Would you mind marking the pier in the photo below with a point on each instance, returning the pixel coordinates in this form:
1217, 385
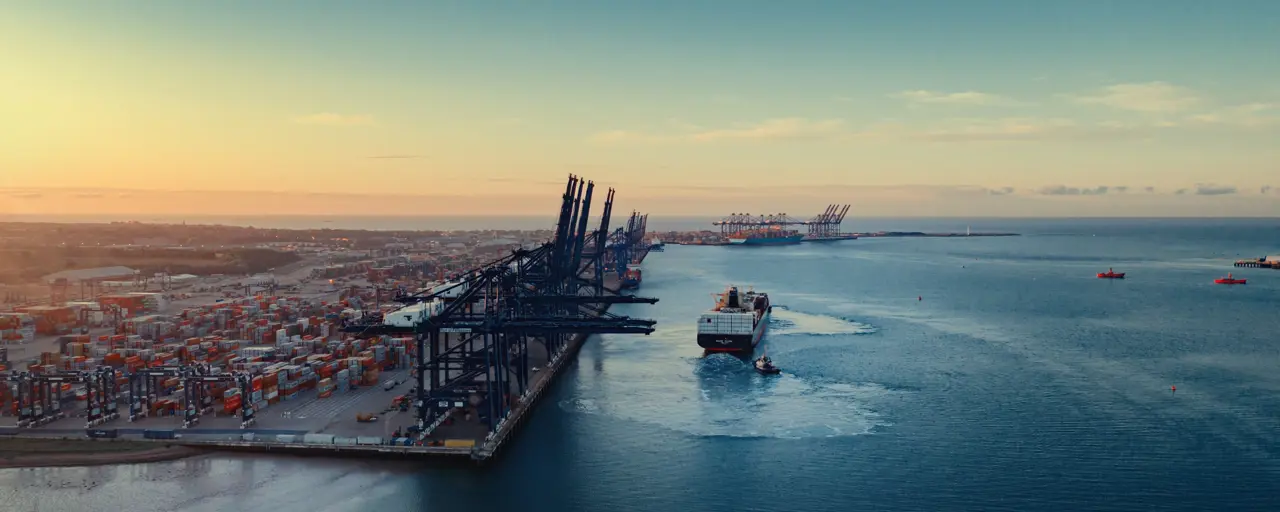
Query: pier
520, 321
1271, 262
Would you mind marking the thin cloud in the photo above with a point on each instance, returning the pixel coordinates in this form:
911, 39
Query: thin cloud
1121, 189
396, 157
26, 195
1002, 191
1149, 190
1251, 115
88, 195
975, 98
629, 137
524, 181
332, 119
1266, 189
791, 128
1008, 129
1214, 190
1151, 97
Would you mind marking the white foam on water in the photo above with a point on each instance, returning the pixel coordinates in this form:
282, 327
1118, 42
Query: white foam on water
786, 321
724, 397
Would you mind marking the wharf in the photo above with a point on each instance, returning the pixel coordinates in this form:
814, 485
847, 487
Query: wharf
543, 380
905, 234
280, 428
1259, 263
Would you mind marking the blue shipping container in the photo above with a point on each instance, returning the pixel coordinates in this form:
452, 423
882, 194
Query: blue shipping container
159, 434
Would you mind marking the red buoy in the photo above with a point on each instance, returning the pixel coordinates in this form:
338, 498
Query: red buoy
1173, 389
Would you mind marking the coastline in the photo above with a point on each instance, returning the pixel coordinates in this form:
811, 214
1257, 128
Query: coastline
879, 234
54, 452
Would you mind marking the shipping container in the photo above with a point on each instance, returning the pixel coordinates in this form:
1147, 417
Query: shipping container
159, 434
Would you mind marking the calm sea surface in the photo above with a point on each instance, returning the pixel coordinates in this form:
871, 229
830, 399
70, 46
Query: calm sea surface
1019, 381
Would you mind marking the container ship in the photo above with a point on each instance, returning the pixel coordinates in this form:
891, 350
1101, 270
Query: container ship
736, 323
766, 237
631, 278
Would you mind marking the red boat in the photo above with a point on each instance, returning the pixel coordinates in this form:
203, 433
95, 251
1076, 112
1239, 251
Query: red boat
1229, 280
1110, 274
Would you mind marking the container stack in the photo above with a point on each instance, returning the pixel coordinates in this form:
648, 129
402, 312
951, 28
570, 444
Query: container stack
128, 304
257, 397
17, 328
53, 319
343, 382
151, 301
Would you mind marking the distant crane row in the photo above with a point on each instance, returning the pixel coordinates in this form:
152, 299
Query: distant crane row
825, 224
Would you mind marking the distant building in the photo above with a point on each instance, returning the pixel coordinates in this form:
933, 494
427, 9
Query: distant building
92, 275
499, 242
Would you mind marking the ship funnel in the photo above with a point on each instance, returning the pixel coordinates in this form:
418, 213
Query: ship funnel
732, 300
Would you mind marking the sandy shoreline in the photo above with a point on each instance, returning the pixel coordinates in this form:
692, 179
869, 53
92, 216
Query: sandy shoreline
31, 453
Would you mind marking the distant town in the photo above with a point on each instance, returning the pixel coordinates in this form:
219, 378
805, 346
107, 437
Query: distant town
39, 262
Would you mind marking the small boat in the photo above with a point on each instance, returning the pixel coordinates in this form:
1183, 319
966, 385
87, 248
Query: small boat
765, 365
1229, 280
1110, 274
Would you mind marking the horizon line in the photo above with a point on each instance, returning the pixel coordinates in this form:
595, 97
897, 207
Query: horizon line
683, 216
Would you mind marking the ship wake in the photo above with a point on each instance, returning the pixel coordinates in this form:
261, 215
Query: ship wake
785, 321
726, 398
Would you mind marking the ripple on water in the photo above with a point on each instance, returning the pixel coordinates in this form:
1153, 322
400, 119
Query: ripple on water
785, 321
724, 397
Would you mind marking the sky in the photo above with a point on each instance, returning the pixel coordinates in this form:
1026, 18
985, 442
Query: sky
693, 107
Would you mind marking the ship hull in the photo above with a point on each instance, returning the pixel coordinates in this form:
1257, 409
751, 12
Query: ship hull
736, 342
782, 240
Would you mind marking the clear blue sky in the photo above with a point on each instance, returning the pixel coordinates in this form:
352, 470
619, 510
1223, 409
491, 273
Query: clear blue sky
947, 103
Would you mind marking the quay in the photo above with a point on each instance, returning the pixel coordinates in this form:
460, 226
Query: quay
480, 353
909, 234
707, 239
1271, 262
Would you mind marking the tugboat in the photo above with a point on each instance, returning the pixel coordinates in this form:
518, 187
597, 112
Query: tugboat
765, 365
1229, 280
1110, 274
